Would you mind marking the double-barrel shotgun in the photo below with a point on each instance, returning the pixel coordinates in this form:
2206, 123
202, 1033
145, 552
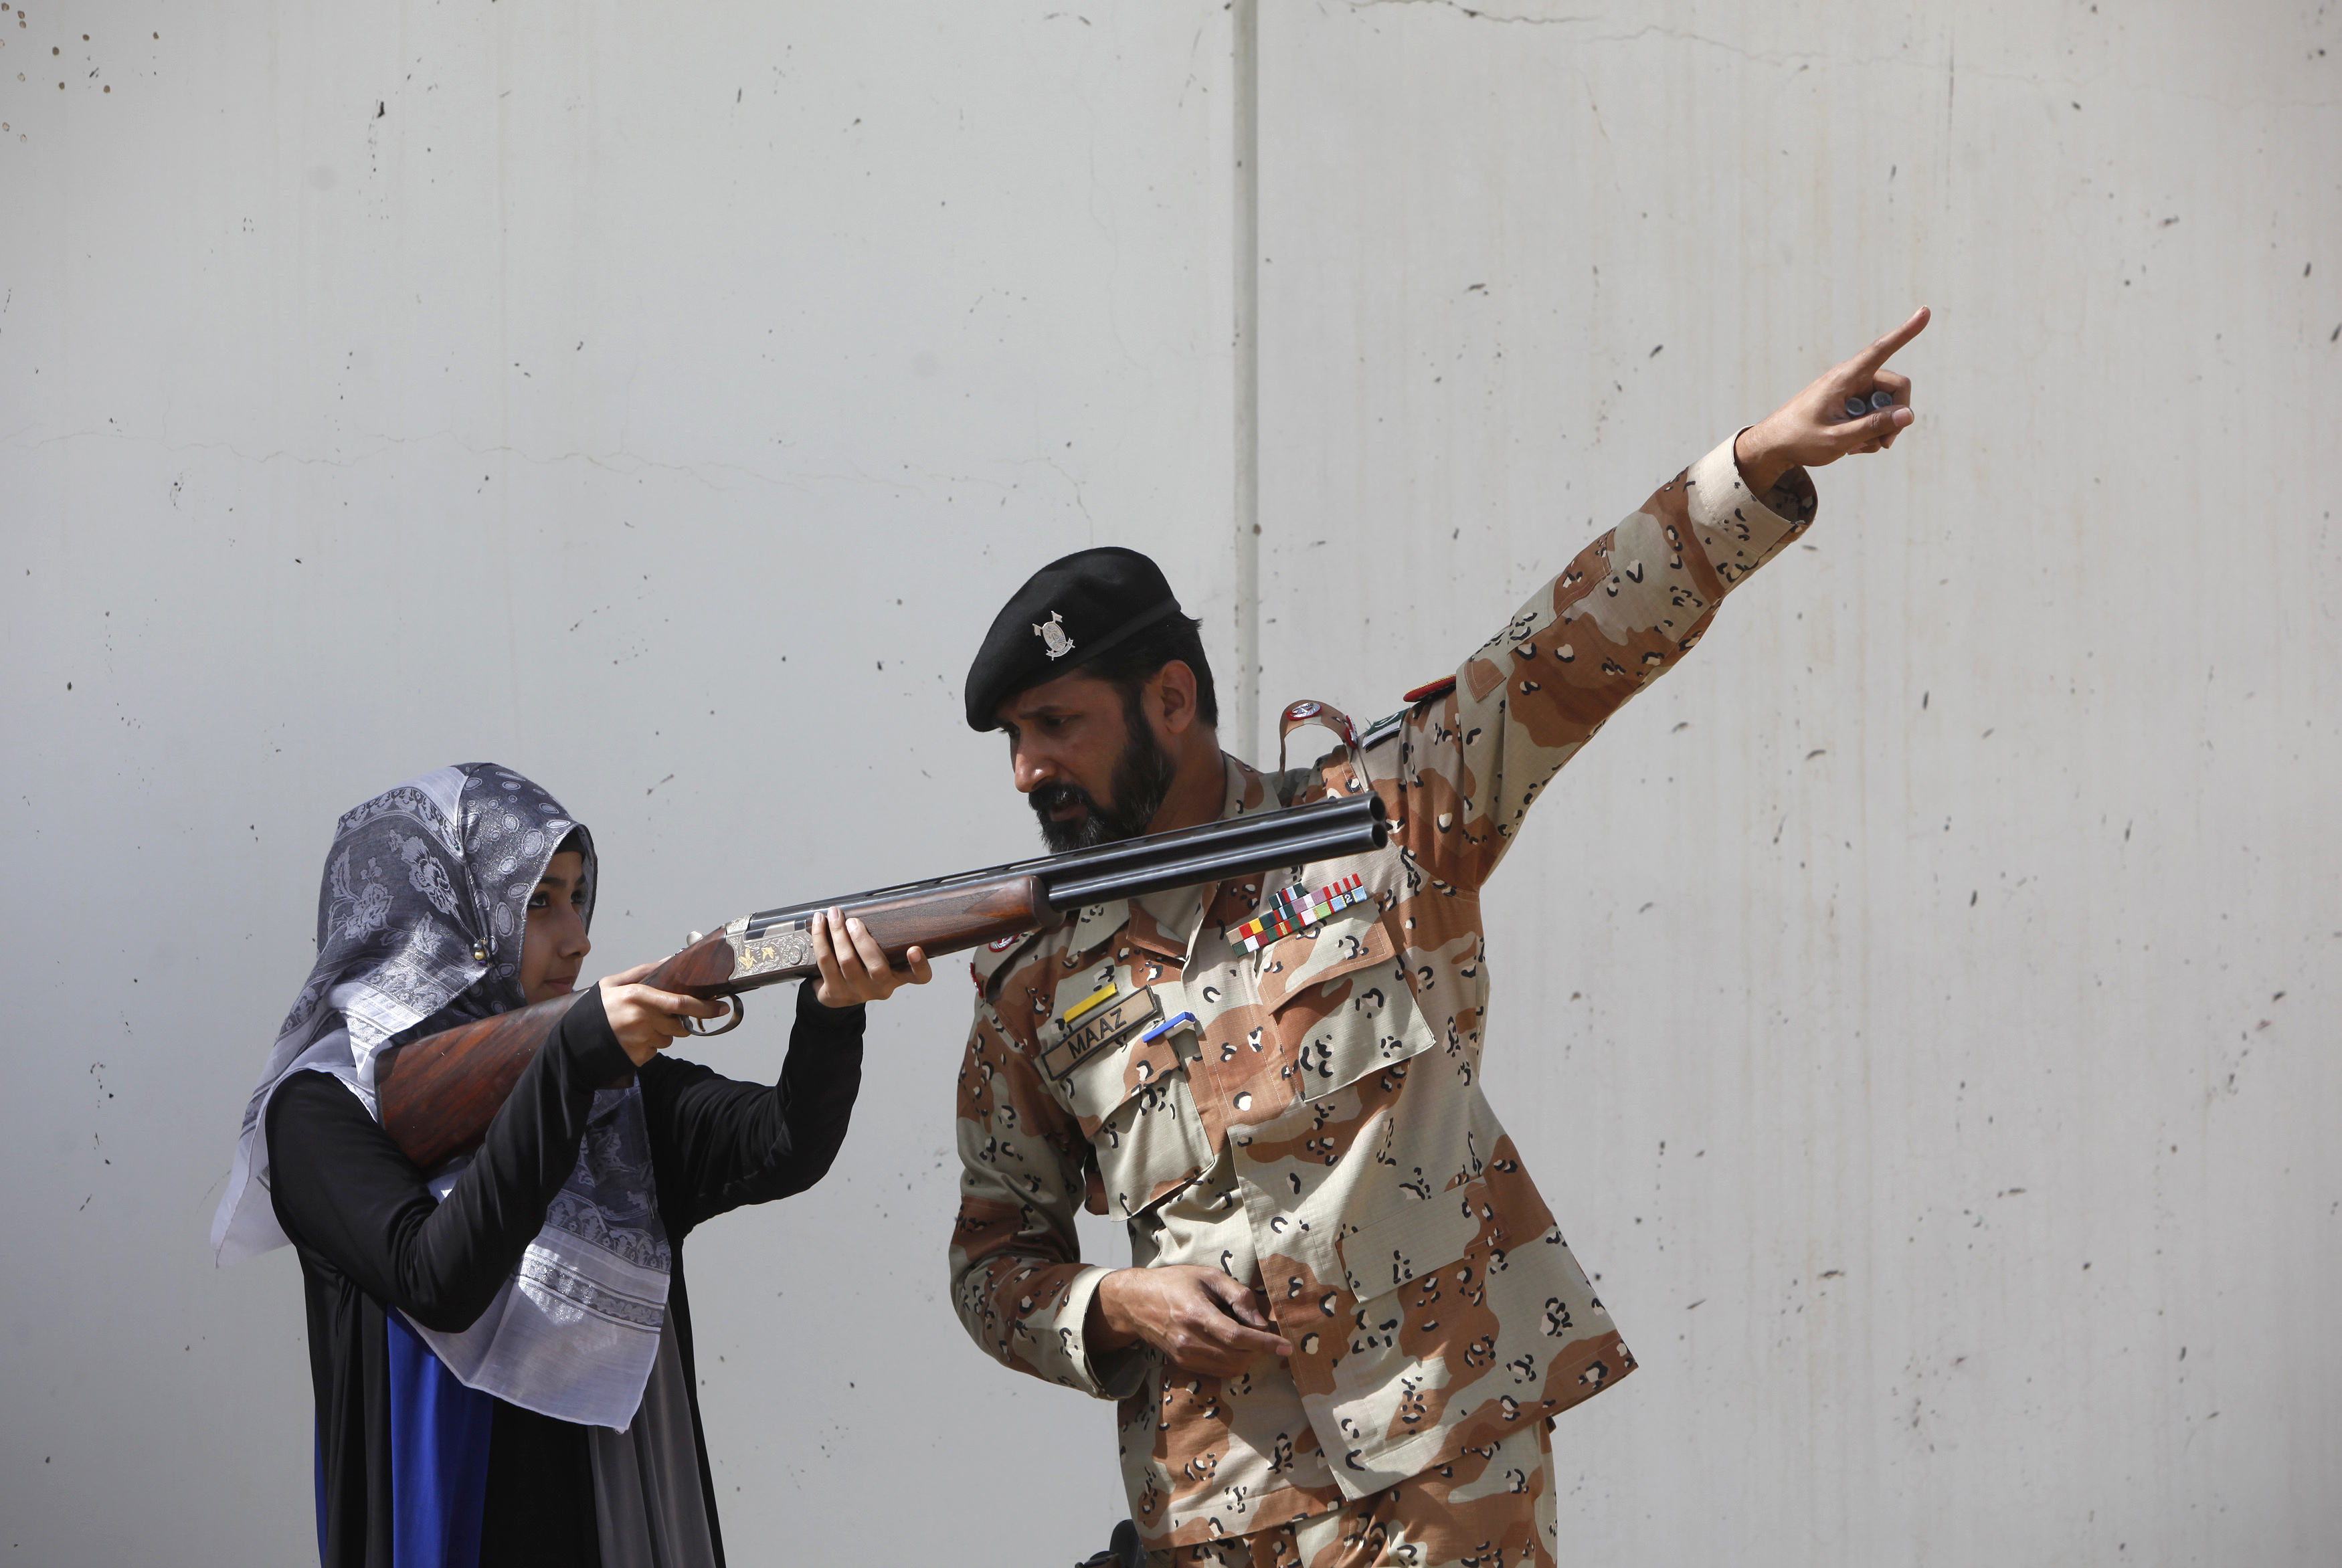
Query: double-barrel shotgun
439, 1094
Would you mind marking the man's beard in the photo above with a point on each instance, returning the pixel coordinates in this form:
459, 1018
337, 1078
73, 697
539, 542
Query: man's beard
1141, 783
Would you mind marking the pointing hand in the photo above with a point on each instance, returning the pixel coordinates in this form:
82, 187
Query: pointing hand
1818, 425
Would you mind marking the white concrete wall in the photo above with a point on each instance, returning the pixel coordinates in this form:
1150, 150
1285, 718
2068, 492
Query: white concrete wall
1920, 1008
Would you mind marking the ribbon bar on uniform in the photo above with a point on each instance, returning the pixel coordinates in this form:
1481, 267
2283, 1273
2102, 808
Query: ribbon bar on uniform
1295, 908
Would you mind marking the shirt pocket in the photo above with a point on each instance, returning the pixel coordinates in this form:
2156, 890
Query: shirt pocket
1290, 969
1420, 1281
1420, 1238
1340, 1004
1139, 1115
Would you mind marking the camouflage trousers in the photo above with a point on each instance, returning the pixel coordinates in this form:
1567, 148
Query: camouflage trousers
1490, 1507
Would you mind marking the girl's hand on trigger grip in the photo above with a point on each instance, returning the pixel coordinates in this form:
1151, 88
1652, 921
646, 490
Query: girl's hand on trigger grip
646, 1020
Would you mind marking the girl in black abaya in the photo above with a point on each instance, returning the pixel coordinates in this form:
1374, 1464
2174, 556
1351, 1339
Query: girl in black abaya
501, 1348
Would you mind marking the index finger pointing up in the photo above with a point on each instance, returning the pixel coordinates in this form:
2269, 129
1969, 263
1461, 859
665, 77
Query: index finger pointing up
1871, 358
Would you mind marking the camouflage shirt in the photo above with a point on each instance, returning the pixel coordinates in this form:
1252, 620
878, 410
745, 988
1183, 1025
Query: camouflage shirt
1319, 1133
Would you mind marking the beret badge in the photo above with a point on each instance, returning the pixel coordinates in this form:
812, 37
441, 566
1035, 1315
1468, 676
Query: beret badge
1052, 634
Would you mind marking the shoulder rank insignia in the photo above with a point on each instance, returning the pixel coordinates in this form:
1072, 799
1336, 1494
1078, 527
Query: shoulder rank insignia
1382, 729
1294, 908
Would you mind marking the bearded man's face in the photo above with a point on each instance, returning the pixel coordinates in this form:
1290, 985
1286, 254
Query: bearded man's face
1087, 760
1135, 791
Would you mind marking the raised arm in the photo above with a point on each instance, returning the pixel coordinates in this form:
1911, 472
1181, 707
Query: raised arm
1467, 765
720, 1142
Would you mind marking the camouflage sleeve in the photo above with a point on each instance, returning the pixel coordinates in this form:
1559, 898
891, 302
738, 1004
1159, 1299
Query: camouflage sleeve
1468, 764
1018, 1279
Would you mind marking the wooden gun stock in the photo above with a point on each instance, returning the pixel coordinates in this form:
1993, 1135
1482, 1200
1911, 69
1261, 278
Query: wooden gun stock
439, 1094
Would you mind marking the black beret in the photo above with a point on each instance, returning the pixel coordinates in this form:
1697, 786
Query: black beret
1068, 612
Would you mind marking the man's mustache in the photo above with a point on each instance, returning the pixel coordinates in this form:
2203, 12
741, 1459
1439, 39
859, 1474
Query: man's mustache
1050, 798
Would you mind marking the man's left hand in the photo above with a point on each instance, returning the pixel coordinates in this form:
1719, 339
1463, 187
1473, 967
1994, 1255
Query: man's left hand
1812, 429
854, 967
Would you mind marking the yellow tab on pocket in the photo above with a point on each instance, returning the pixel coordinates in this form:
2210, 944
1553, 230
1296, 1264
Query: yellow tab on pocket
1103, 994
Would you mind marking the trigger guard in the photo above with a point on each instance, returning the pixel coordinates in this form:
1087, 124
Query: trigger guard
738, 1013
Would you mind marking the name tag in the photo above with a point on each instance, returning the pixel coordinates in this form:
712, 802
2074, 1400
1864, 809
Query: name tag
1098, 1030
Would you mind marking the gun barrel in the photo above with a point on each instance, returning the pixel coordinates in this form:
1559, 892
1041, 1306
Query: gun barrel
1308, 834
1129, 869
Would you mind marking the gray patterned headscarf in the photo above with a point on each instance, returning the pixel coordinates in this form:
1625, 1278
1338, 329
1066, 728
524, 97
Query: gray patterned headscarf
420, 926
425, 898
420, 919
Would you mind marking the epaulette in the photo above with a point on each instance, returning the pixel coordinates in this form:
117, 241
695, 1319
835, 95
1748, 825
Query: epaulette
1383, 729
992, 960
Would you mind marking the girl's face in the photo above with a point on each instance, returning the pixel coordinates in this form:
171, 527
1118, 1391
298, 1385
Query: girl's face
555, 945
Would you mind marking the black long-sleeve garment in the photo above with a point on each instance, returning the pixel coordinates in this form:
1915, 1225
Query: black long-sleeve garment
370, 1237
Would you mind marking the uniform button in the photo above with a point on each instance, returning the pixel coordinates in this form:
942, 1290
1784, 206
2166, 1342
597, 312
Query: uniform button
1244, 1101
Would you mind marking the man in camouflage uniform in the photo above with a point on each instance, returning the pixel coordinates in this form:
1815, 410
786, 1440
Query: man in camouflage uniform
1350, 1318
